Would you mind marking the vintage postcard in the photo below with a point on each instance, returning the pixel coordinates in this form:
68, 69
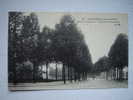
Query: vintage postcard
67, 50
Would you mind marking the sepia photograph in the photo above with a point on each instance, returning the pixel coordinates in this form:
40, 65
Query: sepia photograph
67, 50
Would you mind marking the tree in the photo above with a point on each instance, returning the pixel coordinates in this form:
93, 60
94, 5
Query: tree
66, 41
118, 53
14, 55
82, 61
46, 52
24, 71
29, 36
103, 65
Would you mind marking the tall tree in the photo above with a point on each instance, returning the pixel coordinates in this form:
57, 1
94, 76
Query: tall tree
30, 32
67, 40
118, 53
14, 30
46, 51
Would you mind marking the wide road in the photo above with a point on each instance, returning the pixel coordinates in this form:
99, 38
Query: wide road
97, 83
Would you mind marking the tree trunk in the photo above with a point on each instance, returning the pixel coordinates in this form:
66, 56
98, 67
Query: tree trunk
121, 74
79, 76
112, 74
85, 75
107, 74
42, 71
63, 74
117, 74
47, 71
34, 72
75, 76
71, 73
56, 72
15, 74
68, 72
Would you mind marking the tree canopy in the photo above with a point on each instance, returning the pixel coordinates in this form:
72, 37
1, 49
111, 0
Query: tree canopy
118, 53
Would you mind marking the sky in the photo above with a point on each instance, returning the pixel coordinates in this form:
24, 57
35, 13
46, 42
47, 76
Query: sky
99, 29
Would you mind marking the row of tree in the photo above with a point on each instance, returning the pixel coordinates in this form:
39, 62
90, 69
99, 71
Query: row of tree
63, 44
117, 59
28, 48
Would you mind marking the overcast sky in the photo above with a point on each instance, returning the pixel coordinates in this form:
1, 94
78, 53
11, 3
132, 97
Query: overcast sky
99, 30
